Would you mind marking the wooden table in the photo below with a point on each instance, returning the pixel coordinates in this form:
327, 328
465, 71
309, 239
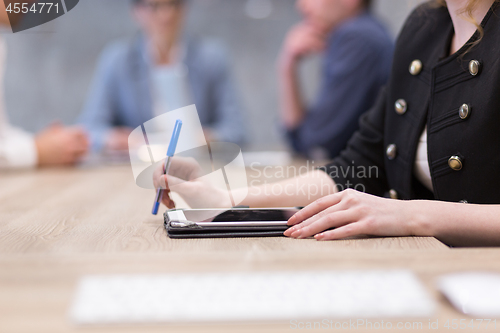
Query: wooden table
58, 225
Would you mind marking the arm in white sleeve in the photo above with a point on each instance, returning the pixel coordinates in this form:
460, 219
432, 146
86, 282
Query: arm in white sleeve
17, 148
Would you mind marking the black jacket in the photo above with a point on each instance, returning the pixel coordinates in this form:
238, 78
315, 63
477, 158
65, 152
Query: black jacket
457, 96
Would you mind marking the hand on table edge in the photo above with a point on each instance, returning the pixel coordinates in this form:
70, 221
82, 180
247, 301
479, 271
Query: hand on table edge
352, 213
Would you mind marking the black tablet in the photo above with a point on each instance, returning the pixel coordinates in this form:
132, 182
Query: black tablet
236, 222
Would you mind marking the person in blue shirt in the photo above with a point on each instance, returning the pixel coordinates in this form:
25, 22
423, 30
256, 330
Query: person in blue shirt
160, 71
357, 57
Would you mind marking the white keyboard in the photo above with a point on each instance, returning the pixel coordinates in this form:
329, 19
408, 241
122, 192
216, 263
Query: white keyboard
229, 297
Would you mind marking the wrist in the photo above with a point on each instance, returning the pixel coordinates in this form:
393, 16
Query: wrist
419, 219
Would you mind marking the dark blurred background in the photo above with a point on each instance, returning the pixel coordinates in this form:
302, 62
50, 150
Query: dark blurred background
49, 68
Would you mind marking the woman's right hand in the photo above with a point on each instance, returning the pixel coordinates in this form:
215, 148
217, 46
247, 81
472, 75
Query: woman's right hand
185, 177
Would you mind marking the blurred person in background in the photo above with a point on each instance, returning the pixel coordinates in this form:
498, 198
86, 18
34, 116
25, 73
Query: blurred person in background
56, 145
357, 56
160, 71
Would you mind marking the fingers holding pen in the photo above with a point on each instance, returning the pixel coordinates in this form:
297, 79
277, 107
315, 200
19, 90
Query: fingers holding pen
159, 179
167, 201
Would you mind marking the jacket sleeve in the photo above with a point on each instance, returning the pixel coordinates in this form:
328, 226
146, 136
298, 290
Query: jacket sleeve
361, 164
99, 109
229, 125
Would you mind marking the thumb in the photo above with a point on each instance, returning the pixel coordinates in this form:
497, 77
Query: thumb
169, 181
164, 182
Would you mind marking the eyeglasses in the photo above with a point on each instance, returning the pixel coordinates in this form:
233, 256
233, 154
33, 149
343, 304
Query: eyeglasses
156, 6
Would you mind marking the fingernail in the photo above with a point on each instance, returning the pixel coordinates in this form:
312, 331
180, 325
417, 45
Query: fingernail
289, 232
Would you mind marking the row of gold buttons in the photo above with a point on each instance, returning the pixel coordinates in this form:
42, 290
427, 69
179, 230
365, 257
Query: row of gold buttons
416, 67
455, 162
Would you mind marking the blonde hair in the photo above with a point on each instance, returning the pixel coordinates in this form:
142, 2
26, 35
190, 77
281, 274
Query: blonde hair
468, 12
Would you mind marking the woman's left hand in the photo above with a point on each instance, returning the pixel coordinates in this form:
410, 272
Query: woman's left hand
353, 213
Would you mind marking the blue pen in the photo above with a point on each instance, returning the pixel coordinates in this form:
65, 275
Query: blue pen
170, 153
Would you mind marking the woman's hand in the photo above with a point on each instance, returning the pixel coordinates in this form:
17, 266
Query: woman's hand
354, 213
186, 178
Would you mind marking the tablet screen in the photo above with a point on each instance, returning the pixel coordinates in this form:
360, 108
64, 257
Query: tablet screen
241, 215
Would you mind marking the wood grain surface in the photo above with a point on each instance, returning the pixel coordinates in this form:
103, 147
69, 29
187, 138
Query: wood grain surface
59, 225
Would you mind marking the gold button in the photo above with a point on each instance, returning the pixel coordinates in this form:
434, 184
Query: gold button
401, 106
455, 163
391, 151
474, 66
415, 67
464, 111
393, 194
